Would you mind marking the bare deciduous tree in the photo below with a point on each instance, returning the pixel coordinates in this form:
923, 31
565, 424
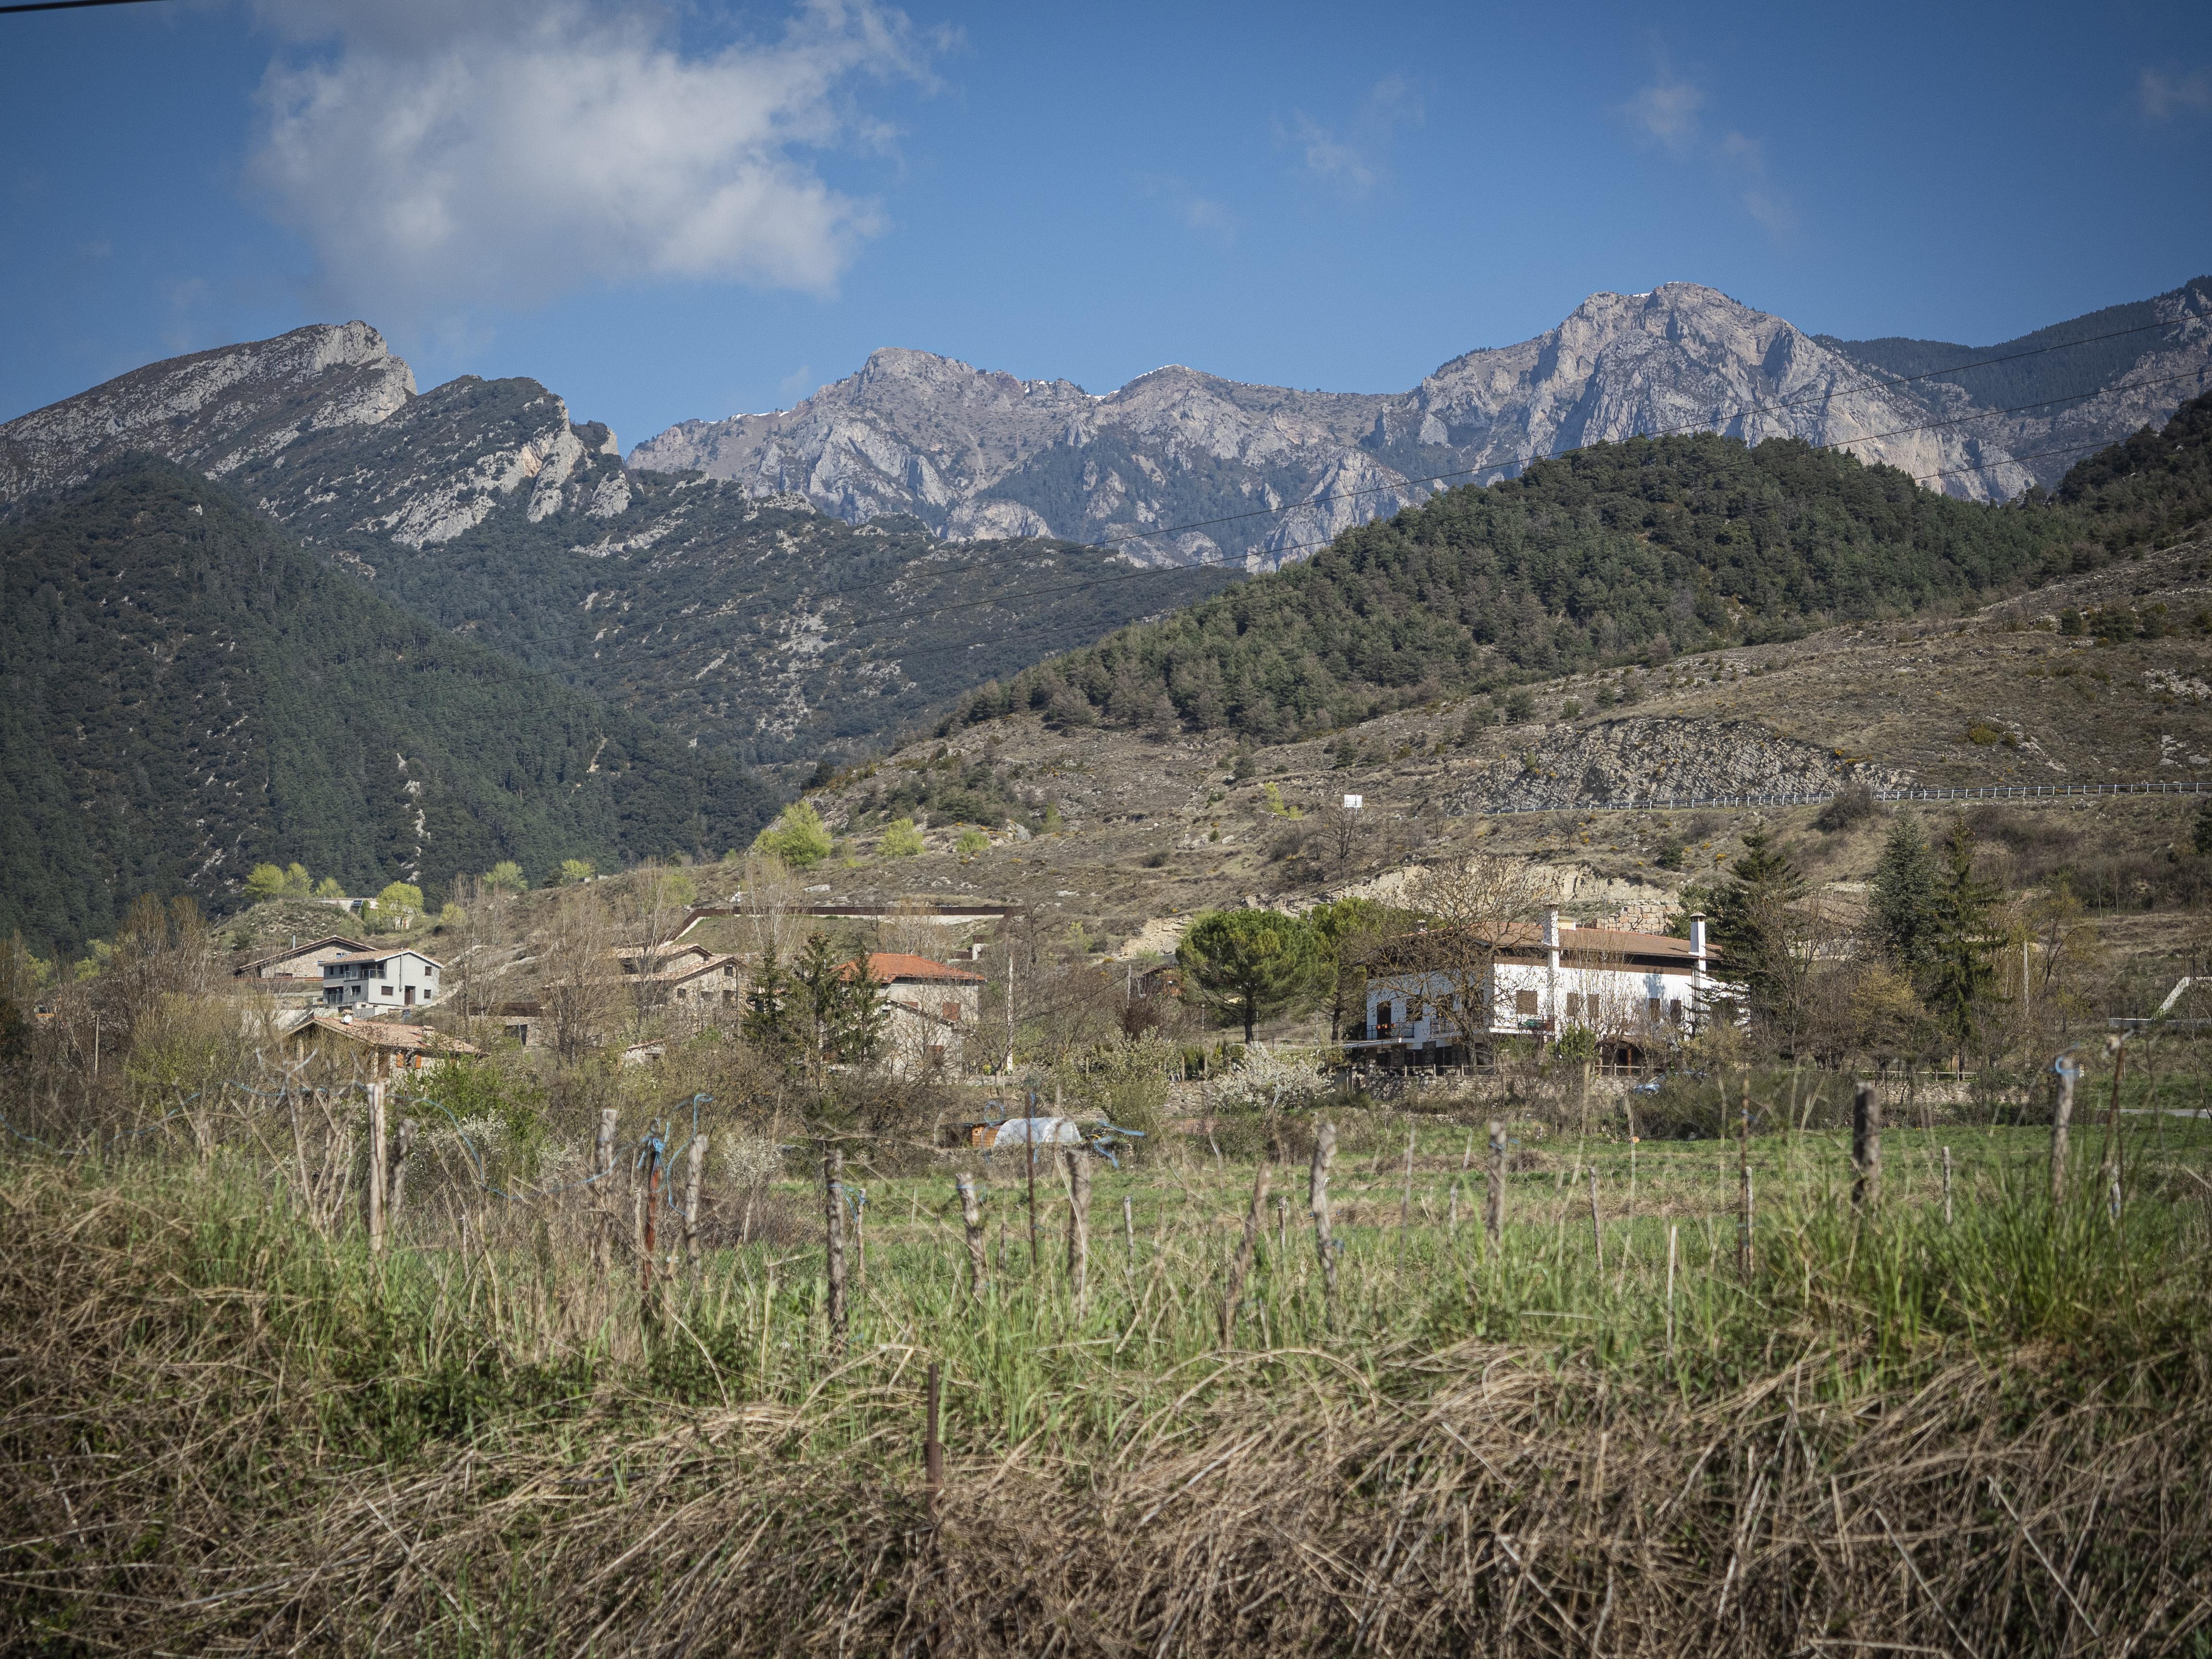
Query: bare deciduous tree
480, 948
577, 987
772, 922
1476, 908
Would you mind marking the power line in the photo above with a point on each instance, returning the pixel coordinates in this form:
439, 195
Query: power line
67, 5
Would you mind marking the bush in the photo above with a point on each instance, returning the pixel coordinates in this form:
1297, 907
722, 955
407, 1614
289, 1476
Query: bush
901, 840
798, 837
1853, 803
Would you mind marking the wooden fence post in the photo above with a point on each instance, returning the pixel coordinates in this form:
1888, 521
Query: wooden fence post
1673, 1231
1866, 1146
1946, 1186
1597, 1228
933, 1449
1743, 1238
403, 1145
693, 1167
1406, 1205
1030, 1146
1493, 1215
1253, 1220
603, 1168
1076, 1168
1317, 1203
379, 1155
1129, 1227
971, 1219
2062, 1126
832, 1182
2110, 1165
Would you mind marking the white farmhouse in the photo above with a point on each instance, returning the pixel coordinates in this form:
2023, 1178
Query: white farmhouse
380, 980
1631, 991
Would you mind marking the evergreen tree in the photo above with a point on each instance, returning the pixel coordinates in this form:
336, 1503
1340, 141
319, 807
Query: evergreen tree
825, 1007
1905, 897
1251, 964
768, 1012
1752, 924
1961, 966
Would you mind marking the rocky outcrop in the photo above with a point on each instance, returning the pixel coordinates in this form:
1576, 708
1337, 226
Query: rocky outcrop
219, 412
1179, 467
323, 428
1646, 758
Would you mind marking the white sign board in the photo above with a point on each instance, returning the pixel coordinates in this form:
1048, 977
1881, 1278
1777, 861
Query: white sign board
1353, 803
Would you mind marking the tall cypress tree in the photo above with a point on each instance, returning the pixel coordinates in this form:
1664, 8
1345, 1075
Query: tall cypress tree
1905, 898
1753, 925
1961, 965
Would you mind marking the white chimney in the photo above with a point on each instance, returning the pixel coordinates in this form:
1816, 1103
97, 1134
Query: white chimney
1551, 929
1697, 939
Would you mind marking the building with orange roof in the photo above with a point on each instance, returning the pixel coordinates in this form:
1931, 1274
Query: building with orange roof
933, 1009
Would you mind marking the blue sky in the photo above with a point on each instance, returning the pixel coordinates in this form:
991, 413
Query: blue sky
673, 211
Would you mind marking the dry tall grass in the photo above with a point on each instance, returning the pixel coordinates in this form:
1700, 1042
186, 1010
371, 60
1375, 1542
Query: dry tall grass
229, 1430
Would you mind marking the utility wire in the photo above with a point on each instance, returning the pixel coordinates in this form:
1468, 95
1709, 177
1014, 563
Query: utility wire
67, 5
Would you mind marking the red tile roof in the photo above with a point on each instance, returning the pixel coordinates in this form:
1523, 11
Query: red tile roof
885, 966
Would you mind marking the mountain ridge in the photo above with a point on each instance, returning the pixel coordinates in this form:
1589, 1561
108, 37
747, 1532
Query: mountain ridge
979, 451
190, 692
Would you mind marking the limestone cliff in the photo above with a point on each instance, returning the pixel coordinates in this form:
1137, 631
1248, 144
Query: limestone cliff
972, 453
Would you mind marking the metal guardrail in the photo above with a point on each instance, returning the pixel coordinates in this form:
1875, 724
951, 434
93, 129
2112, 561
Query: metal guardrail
1994, 792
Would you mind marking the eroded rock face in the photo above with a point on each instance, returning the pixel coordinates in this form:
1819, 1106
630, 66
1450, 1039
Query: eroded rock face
323, 428
1648, 758
970, 451
218, 410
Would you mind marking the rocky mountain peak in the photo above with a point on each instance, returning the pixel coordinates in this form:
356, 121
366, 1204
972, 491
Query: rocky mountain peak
972, 453
218, 410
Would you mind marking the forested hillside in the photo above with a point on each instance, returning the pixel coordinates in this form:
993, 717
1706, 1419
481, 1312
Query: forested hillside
1644, 547
189, 692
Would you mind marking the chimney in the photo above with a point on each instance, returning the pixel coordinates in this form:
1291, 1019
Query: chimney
1698, 938
1552, 929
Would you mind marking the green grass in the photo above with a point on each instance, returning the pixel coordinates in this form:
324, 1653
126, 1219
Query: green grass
225, 1389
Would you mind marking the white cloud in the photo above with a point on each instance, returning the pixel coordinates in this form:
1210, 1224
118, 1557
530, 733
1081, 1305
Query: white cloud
1670, 113
1331, 159
503, 152
1667, 110
2164, 95
1195, 212
1345, 161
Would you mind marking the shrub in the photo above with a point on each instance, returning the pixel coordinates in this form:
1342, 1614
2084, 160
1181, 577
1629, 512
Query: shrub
971, 842
901, 840
798, 837
1853, 803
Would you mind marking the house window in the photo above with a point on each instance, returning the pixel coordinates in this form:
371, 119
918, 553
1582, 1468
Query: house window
1415, 1008
1675, 1010
952, 1012
1524, 1002
1574, 1004
1651, 1009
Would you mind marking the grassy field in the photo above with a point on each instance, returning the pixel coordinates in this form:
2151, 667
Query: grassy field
229, 1428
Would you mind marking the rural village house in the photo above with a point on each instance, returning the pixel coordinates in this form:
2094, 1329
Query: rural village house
1627, 989
374, 1049
931, 1008
370, 980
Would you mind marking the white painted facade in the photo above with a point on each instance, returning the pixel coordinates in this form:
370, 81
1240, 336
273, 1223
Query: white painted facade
380, 981
1630, 990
